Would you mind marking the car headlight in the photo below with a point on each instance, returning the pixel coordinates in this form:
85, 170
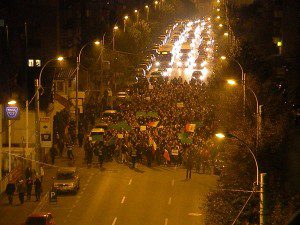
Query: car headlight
157, 63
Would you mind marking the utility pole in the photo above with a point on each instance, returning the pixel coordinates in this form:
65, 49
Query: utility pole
38, 155
262, 203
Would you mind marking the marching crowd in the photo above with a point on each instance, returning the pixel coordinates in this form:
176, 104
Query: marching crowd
155, 138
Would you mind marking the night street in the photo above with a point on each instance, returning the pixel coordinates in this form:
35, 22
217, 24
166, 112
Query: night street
149, 112
119, 195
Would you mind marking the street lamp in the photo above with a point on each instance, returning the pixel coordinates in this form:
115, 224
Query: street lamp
156, 4
218, 17
243, 80
226, 34
218, 9
97, 43
136, 12
124, 22
38, 86
220, 25
114, 34
147, 11
10, 103
262, 175
233, 83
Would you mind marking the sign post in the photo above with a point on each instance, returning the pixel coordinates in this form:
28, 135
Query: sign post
45, 132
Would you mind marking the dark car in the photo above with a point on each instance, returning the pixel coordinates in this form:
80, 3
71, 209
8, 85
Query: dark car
40, 219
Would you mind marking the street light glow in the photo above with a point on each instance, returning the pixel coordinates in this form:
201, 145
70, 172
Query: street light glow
116, 27
223, 57
220, 25
60, 58
231, 82
135, 11
220, 135
12, 102
156, 2
218, 17
218, 10
146, 6
97, 42
126, 17
225, 34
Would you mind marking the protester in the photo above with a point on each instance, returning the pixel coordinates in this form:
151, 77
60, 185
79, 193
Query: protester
37, 189
53, 153
21, 188
29, 184
9, 191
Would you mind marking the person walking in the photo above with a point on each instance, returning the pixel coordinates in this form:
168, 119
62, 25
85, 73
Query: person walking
53, 153
42, 173
9, 191
80, 137
28, 172
21, 188
29, 184
89, 152
189, 166
133, 155
37, 189
100, 155
123, 153
61, 147
70, 152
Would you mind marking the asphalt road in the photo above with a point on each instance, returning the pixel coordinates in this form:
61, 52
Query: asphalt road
120, 195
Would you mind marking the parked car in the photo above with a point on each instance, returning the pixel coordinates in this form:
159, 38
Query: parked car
40, 219
66, 180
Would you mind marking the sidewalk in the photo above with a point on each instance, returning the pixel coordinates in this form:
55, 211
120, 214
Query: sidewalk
17, 214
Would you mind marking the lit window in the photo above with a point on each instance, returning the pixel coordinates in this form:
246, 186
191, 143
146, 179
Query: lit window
30, 62
38, 63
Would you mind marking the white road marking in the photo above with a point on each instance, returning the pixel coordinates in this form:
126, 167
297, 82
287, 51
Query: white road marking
173, 182
170, 200
130, 182
195, 214
41, 204
166, 221
114, 222
123, 200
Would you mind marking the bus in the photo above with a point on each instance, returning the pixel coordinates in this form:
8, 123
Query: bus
164, 56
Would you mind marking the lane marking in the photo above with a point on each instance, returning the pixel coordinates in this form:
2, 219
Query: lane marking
114, 222
195, 214
173, 182
170, 200
166, 221
123, 200
130, 182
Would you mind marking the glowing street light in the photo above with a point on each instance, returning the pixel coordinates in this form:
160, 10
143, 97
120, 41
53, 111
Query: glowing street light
136, 12
147, 11
97, 42
226, 34
124, 22
12, 102
220, 135
220, 25
218, 17
223, 57
218, 10
231, 82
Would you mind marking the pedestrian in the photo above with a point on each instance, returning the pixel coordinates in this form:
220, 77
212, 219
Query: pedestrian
61, 147
21, 188
70, 152
9, 191
100, 154
29, 184
42, 173
53, 153
89, 152
37, 189
28, 172
133, 155
80, 137
123, 153
189, 166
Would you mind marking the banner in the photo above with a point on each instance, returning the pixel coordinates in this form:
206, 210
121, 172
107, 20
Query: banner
190, 127
180, 105
153, 124
184, 138
143, 128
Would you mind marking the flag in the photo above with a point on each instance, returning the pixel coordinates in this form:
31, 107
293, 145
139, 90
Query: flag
152, 144
153, 123
152, 114
184, 138
166, 155
190, 127
140, 114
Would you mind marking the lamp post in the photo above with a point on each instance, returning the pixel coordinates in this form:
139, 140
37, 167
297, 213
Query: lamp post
147, 11
243, 81
261, 183
156, 4
124, 21
10, 103
233, 83
114, 34
38, 86
77, 80
136, 12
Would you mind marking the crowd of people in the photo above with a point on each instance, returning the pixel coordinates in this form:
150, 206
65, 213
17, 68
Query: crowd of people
155, 137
